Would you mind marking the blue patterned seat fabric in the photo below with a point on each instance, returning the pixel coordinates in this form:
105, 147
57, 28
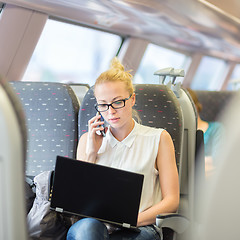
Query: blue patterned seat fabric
51, 111
157, 106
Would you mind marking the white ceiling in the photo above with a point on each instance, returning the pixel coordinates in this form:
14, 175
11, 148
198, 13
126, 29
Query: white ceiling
183, 24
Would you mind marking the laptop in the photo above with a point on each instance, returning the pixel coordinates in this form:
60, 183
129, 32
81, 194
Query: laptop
91, 190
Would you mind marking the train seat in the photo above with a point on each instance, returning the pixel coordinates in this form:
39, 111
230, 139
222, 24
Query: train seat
80, 90
188, 177
213, 103
191, 138
51, 111
12, 165
157, 106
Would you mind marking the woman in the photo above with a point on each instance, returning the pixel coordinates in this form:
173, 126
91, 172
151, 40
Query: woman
213, 136
129, 146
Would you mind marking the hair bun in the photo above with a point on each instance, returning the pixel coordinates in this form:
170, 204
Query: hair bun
116, 64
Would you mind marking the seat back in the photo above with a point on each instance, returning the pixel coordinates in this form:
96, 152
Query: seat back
156, 105
80, 90
188, 177
51, 111
189, 152
213, 103
12, 158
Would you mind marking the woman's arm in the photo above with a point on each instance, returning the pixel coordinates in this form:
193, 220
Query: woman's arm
81, 148
168, 177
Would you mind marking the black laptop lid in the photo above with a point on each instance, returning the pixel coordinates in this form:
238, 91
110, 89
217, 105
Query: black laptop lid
92, 190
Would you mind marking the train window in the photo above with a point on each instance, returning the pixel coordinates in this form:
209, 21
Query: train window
210, 74
234, 83
155, 58
71, 54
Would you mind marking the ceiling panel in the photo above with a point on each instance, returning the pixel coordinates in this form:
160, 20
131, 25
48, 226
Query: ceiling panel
182, 24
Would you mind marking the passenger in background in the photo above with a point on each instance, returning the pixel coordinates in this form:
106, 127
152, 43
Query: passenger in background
130, 146
213, 136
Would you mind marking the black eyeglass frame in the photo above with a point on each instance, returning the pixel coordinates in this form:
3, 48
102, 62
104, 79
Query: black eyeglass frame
108, 105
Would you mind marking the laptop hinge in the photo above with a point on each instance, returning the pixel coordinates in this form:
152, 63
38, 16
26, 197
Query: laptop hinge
126, 225
57, 209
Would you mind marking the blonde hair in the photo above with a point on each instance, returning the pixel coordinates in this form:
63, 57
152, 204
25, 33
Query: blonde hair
116, 73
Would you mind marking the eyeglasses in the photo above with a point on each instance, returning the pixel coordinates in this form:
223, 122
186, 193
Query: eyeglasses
115, 105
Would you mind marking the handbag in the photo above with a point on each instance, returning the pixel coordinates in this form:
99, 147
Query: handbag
42, 222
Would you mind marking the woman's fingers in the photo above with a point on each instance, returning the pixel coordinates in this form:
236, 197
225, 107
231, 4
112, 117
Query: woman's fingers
94, 124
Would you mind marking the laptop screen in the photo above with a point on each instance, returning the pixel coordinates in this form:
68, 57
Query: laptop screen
92, 190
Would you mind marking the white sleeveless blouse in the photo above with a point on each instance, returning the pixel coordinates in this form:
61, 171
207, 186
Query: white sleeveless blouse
136, 153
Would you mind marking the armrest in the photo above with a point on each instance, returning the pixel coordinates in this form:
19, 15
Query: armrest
176, 222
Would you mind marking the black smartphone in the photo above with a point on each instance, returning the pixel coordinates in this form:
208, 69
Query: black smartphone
102, 132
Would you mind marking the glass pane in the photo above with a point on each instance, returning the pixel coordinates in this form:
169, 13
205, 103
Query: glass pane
156, 58
71, 54
210, 74
234, 83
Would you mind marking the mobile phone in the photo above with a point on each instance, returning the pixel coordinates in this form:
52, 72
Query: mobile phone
102, 132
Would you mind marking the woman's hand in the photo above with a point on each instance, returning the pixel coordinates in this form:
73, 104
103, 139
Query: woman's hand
94, 140
90, 142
